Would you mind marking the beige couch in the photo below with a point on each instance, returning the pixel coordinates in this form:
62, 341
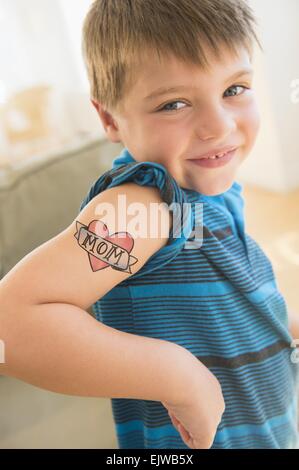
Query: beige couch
40, 196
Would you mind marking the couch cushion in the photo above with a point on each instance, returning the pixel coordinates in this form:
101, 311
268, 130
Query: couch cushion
41, 196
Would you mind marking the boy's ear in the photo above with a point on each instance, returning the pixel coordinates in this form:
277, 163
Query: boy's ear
108, 122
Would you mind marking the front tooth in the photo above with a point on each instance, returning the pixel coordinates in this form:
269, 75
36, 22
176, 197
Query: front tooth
212, 158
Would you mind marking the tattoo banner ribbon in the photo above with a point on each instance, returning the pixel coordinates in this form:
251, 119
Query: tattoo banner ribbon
102, 251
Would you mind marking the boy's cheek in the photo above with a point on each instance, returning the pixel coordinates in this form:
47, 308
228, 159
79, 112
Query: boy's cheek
257, 120
253, 124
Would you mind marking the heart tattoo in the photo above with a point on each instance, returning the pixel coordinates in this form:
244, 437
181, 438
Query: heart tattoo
103, 249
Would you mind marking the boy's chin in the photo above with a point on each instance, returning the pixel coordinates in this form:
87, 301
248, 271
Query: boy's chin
214, 189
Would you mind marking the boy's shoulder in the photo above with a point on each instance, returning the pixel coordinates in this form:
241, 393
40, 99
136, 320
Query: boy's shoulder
144, 174
129, 207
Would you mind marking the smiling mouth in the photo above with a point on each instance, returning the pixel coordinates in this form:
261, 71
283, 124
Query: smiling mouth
219, 153
216, 157
215, 161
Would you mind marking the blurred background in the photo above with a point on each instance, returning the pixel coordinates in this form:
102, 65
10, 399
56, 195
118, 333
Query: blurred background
52, 145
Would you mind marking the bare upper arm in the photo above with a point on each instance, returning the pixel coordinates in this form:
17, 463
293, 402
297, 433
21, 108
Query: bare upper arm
63, 268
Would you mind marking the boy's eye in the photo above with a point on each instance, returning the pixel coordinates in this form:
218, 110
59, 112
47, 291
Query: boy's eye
233, 91
164, 108
235, 87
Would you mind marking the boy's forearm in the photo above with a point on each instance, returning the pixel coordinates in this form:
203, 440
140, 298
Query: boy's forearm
61, 348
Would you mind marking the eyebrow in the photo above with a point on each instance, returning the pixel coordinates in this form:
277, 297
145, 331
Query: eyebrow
166, 90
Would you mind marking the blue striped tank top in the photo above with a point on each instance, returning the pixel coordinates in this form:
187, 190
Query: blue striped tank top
221, 302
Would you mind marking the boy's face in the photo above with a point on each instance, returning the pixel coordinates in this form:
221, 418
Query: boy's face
212, 112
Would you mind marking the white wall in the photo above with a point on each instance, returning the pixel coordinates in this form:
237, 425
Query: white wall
74, 12
274, 162
44, 38
39, 47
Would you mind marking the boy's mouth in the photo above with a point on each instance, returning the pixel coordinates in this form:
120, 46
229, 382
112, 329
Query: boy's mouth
216, 159
220, 152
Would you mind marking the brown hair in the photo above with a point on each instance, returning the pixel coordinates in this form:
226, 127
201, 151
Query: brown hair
118, 33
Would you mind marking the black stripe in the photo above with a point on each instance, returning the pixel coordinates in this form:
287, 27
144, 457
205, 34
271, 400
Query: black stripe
244, 359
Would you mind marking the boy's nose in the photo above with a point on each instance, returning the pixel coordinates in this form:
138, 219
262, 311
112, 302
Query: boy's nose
217, 125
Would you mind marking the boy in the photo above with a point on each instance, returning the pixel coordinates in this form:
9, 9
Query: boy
192, 344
